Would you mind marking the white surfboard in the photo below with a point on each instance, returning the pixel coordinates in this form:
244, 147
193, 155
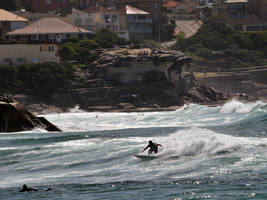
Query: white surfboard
146, 157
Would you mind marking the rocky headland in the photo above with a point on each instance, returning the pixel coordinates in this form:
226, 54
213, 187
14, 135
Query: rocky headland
129, 80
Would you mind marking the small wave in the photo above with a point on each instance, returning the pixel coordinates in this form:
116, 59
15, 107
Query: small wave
235, 106
76, 109
199, 141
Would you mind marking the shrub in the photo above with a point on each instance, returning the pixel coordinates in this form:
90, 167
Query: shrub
106, 38
68, 51
214, 35
45, 78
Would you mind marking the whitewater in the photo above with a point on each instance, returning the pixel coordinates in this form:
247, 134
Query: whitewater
209, 152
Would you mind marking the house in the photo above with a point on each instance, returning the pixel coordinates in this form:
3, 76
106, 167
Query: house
10, 22
173, 10
153, 7
109, 18
42, 39
49, 30
236, 9
80, 18
15, 54
138, 22
238, 14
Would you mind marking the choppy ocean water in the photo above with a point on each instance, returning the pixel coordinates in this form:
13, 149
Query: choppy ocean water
209, 153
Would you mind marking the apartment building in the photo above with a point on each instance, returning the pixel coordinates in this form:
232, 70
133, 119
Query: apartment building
138, 22
153, 7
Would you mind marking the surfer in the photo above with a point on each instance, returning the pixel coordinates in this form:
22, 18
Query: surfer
25, 188
153, 147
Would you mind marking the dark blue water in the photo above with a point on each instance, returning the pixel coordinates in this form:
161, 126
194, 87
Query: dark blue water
208, 153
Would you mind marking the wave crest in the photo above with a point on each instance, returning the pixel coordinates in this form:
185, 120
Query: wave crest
235, 106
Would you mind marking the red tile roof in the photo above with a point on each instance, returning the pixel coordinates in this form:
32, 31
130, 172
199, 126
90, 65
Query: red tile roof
171, 4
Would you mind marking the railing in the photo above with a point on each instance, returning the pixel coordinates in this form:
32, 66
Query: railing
139, 21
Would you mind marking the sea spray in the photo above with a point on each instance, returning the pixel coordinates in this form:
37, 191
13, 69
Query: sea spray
207, 153
235, 106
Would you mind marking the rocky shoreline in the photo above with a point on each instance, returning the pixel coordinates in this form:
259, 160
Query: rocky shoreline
15, 117
142, 80
147, 81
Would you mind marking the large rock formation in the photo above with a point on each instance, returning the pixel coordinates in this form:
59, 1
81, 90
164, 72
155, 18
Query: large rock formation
126, 66
128, 80
14, 117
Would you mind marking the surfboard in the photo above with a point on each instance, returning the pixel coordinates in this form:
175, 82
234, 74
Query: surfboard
145, 157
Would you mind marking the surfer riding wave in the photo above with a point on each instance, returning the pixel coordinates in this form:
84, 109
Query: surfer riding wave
153, 147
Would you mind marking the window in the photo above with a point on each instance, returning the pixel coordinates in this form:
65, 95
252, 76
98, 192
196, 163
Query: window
41, 48
38, 1
142, 17
156, 5
21, 60
51, 48
8, 60
114, 17
48, 1
106, 17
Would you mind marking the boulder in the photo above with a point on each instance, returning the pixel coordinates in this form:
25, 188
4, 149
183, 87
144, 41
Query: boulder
14, 117
203, 94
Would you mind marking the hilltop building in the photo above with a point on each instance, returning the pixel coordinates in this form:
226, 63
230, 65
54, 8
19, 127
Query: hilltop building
49, 30
42, 39
125, 21
238, 14
153, 7
10, 22
174, 10
138, 22
80, 18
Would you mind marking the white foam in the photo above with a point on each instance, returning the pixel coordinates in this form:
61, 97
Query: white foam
235, 106
76, 109
199, 141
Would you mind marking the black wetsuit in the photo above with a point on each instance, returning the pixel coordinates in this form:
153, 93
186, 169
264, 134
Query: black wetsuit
153, 147
27, 189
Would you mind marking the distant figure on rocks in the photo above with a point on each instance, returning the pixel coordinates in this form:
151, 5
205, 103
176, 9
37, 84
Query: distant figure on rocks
25, 188
153, 147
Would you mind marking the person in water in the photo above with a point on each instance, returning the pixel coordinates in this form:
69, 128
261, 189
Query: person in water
153, 147
25, 188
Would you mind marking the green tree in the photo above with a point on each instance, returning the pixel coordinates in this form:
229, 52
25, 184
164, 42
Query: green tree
106, 38
166, 32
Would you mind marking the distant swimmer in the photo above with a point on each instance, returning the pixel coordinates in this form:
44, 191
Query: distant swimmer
25, 188
153, 147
